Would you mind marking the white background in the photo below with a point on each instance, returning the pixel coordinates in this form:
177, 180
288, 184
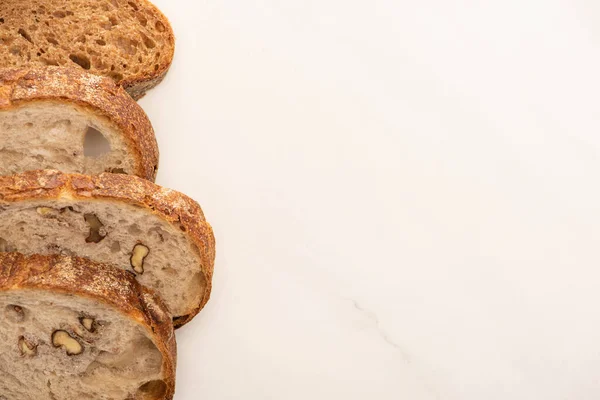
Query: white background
405, 196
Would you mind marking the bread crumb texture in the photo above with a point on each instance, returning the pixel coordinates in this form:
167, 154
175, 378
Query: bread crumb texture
130, 41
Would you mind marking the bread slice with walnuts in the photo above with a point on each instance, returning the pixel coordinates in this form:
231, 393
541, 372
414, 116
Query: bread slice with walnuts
74, 329
158, 235
67, 119
130, 41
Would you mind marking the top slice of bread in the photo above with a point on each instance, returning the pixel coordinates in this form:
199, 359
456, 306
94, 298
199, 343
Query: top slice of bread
73, 329
130, 41
157, 234
73, 121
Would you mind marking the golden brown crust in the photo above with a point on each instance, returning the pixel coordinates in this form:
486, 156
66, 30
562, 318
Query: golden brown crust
102, 283
174, 207
101, 95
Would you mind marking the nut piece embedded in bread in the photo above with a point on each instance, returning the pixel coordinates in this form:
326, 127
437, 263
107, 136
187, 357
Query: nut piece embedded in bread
139, 253
27, 348
63, 339
128, 41
88, 324
45, 210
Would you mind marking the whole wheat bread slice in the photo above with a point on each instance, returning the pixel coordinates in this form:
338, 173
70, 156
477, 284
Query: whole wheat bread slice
130, 41
156, 234
67, 119
73, 329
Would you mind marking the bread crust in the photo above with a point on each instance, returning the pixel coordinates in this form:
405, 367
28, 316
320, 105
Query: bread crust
98, 94
174, 207
102, 283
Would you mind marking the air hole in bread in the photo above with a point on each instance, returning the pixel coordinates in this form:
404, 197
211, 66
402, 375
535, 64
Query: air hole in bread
149, 43
143, 20
158, 232
94, 143
50, 62
159, 26
50, 39
116, 75
115, 247
153, 390
82, 60
101, 42
116, 171
134, 229
14, 313
169, 270
25, 35
97, 230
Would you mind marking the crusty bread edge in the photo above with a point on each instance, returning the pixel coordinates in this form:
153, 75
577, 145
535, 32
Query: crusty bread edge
138, 86
102, 283
98, 94
172, 206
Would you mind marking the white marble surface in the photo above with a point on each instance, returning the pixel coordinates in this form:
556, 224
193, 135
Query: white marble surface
405, 196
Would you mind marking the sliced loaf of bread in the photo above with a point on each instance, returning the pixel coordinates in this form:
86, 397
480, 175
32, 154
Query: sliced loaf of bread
158, 235
130, 41
73, 329
67, 119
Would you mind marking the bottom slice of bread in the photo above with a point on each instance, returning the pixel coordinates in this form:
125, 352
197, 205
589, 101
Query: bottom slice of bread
72, 329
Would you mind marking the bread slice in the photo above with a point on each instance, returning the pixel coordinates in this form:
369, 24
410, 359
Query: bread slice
67, 119
156, 234
73, 329
130, 41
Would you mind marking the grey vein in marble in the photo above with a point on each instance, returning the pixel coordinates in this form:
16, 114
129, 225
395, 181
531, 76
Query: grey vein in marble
373, 317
